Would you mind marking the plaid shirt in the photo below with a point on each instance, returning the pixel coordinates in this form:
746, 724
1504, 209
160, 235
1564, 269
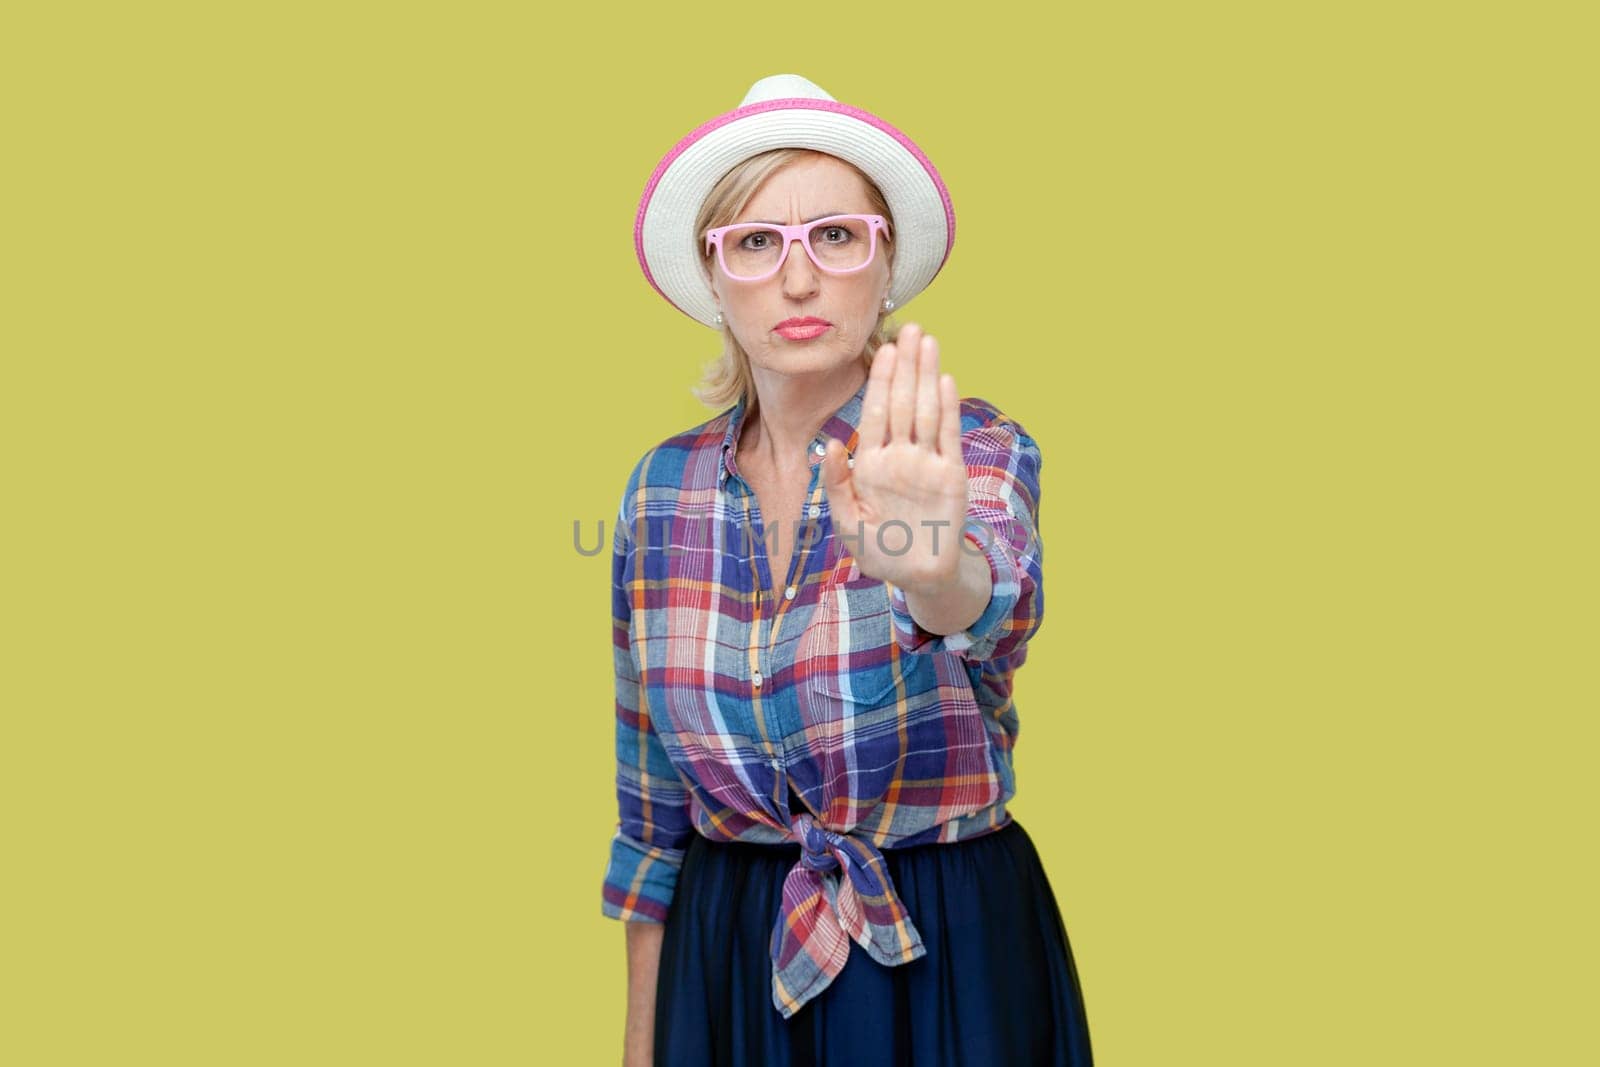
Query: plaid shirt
727, 692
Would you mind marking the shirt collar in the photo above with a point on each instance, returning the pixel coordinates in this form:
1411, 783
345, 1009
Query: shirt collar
841, 424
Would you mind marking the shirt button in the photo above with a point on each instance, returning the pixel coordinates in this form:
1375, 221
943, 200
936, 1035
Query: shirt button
821, 450
776, 764
814, 510
788, 594
756, 679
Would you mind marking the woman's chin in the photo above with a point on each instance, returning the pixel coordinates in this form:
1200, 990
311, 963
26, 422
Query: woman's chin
802, 359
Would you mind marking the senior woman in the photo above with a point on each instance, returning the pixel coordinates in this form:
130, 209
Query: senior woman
820, 599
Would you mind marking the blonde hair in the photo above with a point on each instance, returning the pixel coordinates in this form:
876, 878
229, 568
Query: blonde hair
728, 378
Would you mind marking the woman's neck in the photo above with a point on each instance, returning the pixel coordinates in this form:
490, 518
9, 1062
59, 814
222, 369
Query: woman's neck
788, 413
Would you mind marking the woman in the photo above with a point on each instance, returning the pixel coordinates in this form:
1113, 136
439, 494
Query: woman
820, 598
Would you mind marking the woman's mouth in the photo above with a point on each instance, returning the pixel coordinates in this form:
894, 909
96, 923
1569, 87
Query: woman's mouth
802, 329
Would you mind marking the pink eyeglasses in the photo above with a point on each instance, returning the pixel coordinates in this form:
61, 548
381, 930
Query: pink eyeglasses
838, 244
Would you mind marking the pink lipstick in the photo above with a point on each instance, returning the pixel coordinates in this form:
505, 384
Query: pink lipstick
802, 329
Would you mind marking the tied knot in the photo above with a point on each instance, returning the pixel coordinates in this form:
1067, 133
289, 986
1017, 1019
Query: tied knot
816, 844
839, 893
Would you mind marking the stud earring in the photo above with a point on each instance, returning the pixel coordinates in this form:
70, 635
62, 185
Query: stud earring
719, 320
888, 305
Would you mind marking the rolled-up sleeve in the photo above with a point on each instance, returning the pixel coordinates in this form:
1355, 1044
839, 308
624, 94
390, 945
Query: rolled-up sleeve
1003, 521
653, 825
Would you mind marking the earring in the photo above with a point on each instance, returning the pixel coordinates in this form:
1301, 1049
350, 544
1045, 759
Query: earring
718, 320
888, 305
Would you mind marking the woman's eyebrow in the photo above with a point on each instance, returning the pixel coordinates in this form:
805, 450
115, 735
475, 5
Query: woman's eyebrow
814, 218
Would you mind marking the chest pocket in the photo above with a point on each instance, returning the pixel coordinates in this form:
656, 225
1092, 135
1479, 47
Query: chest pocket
846, 650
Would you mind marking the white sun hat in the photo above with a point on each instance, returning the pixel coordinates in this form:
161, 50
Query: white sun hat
788, 111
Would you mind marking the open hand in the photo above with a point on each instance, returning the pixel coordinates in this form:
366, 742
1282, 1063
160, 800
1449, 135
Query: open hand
908, 470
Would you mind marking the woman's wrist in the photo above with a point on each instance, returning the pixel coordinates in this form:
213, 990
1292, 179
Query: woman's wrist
957, 604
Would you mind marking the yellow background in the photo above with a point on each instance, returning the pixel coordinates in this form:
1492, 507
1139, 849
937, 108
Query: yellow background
321, 326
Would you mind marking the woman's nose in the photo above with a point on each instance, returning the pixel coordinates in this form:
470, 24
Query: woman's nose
799, 273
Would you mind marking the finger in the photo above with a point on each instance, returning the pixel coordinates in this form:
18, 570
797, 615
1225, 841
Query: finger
903, 390
874, 426
950, 422
928, 405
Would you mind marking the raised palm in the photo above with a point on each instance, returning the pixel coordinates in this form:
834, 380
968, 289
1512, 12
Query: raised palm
908, 470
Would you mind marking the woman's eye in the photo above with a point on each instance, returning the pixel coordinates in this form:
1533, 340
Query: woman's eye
834, 234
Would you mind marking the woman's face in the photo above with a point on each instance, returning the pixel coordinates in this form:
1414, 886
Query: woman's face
806, 189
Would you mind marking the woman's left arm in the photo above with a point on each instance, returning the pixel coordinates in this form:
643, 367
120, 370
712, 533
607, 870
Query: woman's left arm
1000, 549
950, 474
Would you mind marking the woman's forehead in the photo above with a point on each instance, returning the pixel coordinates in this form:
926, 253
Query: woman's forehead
810, 187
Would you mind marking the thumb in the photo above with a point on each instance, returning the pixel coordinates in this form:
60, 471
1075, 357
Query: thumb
838, 484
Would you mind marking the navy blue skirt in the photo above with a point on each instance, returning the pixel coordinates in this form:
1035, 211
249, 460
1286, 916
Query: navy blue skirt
997, 986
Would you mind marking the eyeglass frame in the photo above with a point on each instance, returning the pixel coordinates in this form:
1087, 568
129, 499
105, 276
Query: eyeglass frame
799, 233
